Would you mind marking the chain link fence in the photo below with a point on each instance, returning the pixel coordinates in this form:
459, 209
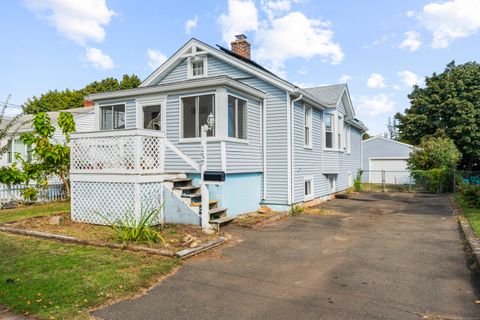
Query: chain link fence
432, 181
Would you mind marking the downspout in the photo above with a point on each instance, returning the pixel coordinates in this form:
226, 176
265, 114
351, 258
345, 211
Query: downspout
292, 148
264, 141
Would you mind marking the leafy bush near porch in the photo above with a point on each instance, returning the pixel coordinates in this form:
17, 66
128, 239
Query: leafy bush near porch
434, 180
357, 183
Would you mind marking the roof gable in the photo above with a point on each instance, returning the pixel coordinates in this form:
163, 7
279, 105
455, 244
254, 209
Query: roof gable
389, 141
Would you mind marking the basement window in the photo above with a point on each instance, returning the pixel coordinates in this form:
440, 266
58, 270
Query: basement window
308, 188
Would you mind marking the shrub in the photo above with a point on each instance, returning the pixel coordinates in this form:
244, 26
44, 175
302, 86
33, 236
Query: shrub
471, 195
357, 183
134, 229
29, 194
296, 210
434, 180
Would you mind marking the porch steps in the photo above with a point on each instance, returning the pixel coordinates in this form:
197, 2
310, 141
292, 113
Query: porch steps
193, 198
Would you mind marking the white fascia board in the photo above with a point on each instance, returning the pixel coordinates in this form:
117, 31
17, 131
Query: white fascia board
264, 75
389, 140
181, 86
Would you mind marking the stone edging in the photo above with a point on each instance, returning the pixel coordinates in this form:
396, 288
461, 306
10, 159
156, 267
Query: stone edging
266, 221
162, 252
467, 231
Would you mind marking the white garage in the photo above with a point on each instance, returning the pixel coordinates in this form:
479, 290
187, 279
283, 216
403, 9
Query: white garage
385, 161
392, 171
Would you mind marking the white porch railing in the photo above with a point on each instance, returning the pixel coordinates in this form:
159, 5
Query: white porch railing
129, 151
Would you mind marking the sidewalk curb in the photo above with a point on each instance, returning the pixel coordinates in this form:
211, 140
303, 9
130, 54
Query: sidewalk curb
466, 230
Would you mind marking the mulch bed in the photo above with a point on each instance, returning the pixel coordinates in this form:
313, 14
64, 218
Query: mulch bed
177, 237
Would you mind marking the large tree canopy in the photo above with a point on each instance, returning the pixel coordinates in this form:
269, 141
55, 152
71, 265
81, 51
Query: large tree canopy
448, 105
67, 99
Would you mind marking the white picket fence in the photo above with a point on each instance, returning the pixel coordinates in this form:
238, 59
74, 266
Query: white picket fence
53, 192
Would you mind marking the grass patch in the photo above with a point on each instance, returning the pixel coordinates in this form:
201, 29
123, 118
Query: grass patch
34, 210
61, 281
472, 214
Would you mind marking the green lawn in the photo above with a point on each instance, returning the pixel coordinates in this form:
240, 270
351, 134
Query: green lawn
55, 280
34, 210
472, 214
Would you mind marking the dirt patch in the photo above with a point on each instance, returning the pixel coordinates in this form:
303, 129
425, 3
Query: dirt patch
177, 237
318, 210
256, 219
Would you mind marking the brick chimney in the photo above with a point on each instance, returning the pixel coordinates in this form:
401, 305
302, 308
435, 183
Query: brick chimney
88, 103
241, 46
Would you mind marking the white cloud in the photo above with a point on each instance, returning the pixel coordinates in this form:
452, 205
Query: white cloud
98, 59
410, 13
191, 24
376, 80
274, 8
375, 105
155, 58
450, 20
344, 78
242, 17
411, 42
409, 79
296, 36
80, 21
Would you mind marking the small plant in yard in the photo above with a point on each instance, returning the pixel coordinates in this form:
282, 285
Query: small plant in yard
296, 210
471, 194
357, 183
132, 228
30, 195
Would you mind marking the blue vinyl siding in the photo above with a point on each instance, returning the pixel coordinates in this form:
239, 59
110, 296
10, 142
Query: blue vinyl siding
179, 73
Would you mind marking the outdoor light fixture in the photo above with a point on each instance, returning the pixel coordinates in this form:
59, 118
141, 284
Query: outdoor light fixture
210, 121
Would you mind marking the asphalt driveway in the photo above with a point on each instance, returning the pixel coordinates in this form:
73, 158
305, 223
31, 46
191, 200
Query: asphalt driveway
382, 256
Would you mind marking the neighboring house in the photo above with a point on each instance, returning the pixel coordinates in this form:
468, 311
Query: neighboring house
275, 143
385, 160
84, 121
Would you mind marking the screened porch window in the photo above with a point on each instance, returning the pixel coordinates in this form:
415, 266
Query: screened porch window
152, 117
195, 111
112, 117
237, 118
329, 131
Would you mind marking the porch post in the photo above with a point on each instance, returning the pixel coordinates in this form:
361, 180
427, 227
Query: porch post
203, 186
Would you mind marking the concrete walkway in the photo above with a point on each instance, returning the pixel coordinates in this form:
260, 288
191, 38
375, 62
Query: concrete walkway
381, 256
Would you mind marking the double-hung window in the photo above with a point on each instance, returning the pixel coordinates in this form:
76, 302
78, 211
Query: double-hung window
197, 67
237, 118
307, 127
329, 131
112, 117
195, 111
347, 139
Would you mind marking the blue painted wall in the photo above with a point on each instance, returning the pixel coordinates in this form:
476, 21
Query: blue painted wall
239, 193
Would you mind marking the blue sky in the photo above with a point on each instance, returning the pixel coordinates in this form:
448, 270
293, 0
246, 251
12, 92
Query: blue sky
381, 48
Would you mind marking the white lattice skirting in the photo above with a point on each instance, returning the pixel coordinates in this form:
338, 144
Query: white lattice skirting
113, 200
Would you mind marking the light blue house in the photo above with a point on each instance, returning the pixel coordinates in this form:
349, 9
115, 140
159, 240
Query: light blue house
272, 143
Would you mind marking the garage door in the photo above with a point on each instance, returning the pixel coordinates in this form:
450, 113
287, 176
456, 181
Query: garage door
395, 171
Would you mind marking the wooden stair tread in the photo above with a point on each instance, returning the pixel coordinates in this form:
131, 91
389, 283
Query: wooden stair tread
192, 195
186, 188
179, 180
216, 210
198, 204
222, 220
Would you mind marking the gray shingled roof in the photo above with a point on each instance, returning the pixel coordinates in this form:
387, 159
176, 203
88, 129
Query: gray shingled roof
329, 94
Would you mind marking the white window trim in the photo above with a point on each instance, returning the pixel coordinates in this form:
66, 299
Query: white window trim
310, 127
334, 188
180, 103
339, 133
348, 139
325, 115
312, 188
141, 103
236, 110
100, 118
201, 56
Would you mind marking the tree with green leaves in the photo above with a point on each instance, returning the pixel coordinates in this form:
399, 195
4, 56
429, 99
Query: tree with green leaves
448, 105
48, 159
68, 99
392, 127
434, 153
